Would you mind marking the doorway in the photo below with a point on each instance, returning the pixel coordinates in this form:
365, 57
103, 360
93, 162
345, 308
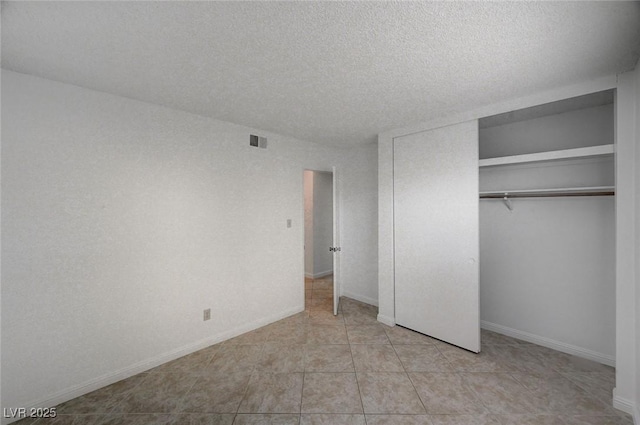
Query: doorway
318, 240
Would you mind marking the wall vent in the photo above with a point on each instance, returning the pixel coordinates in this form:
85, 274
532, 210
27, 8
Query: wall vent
258, 141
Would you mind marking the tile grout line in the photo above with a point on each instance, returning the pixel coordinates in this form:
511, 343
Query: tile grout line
409, 378
246, 390
355, 373
183, 398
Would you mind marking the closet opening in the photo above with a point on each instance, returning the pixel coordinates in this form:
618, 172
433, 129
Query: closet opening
547, 225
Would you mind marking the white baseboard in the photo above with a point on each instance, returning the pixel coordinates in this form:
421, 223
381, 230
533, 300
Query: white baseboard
550, 343
389, 321
322, 274
318, 275
627, 406
361, 298
142, 366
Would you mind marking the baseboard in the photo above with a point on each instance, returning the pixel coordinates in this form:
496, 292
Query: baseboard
145, 365
627, 406
389, 321
550, 343
322, 274
361, 298
318, 275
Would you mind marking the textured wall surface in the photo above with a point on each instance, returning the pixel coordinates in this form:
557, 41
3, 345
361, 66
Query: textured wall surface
122, 221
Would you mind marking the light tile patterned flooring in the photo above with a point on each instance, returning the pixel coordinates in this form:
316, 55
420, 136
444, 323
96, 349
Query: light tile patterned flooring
314, 369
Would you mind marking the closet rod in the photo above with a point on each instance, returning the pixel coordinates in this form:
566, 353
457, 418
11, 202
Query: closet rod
544, 195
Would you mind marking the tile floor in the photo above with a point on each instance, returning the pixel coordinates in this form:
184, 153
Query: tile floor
314, 369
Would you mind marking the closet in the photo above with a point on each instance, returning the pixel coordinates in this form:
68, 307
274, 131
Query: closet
507, 222
547, 225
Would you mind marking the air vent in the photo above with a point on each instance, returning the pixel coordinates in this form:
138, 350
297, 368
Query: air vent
258, 141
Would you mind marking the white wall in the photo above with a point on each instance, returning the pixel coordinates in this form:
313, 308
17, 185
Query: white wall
574, 129
637, 250
547, 268
627, 213
322, 223
308, 223
358, 222
122, 221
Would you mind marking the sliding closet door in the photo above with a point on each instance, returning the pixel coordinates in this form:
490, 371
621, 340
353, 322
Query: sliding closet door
436, 233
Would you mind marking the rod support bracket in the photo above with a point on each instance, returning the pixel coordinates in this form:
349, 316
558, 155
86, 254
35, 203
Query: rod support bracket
507, 202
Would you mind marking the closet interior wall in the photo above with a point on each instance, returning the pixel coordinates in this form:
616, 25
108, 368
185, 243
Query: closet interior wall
547, 266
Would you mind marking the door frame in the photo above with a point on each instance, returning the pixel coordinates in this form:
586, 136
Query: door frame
333, 170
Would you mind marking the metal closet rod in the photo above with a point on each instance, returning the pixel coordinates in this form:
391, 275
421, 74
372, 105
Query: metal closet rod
507, 196
545, 195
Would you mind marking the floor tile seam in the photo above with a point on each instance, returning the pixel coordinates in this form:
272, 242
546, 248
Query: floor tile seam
585, 373
359, 392
546, 411
127, 393
415, 390
445, 358
474, 392
304, 378
355, 372
208, 362
244, 395
514, 377
184, 396
559, 369
590, 391
130, 392
405, 371
353, 365
595, 397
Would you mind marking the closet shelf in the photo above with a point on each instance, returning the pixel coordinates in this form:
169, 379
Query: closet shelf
591, 151
544, 193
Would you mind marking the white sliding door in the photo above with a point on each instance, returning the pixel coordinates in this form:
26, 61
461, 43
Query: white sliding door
436, 239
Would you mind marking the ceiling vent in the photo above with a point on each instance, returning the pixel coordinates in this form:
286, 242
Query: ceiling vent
258, 141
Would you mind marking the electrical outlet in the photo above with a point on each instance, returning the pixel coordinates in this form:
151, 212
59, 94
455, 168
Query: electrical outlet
207, 314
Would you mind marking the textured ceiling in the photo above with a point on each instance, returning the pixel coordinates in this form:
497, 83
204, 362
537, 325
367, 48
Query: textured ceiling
329, 72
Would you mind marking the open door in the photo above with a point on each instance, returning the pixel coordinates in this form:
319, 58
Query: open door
436, 241
336, 244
